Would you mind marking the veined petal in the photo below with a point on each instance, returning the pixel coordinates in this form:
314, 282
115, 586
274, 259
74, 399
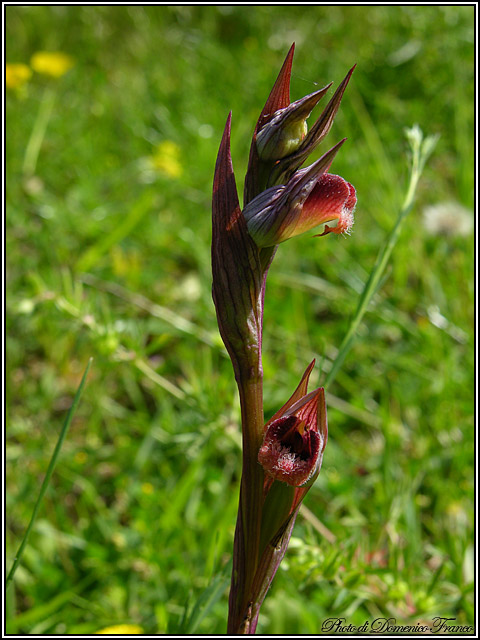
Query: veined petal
299, 393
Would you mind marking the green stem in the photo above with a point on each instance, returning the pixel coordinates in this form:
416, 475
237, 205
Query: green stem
247, 534
48, 475
420, 152
37, 135
251, 401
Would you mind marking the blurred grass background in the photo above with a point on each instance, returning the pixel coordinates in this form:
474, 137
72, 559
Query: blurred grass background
108, 255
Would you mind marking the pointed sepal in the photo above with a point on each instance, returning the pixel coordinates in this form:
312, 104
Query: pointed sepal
238, 281
279, 98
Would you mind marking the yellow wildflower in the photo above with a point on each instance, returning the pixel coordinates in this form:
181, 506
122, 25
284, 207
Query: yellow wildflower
125, 263
16, 75
121, 629
81, 457
51, 63
166, 159
148, 488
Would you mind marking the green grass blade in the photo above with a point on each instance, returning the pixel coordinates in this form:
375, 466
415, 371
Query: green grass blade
421, 149
164, 313
44, 610
208, 598
136, 214
37, 135
48, 475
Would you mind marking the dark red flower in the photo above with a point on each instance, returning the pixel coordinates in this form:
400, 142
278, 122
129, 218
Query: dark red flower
293, 443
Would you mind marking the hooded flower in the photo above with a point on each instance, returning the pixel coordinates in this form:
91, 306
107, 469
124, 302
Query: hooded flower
286, 167
295, 438
310, 198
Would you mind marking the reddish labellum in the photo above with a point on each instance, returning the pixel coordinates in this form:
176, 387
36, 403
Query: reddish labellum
290, 451
294, 442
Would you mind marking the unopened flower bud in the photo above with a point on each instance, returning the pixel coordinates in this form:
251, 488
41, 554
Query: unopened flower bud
284, 133
275, 142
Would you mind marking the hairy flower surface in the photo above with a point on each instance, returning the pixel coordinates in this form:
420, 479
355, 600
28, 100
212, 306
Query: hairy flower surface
293, 444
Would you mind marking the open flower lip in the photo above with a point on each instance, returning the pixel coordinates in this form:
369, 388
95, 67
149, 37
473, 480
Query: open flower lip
332, 196
293, 444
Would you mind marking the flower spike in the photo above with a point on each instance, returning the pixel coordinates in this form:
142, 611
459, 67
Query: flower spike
282, 458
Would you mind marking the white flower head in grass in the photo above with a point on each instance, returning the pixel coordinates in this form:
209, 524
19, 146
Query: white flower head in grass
448, 218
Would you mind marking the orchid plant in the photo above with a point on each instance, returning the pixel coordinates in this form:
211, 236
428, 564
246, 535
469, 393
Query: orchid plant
282, 458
